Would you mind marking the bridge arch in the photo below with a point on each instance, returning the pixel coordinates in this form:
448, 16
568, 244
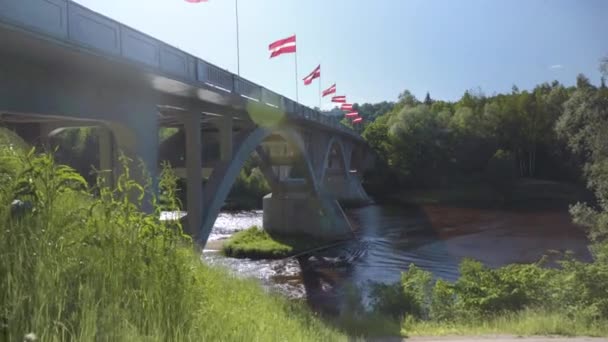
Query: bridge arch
340, 148
224, 175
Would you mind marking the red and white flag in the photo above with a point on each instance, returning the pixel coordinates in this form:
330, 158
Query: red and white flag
352, 115
346, 107
314, 74
339, 99
287, 45
330, 90
196, 1
357, 120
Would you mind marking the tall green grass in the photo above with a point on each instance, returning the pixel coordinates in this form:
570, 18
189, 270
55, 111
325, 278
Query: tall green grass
78, 267
524, 323
255, 243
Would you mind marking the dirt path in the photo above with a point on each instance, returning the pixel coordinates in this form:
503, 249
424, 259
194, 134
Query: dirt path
495, 338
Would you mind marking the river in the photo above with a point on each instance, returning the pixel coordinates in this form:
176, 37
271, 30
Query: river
434, 237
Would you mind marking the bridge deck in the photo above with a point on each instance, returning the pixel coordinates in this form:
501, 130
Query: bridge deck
62, 32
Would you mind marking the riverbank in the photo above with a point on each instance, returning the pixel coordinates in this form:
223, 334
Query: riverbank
523, 193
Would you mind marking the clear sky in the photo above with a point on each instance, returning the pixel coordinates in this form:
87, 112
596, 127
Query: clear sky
374, 49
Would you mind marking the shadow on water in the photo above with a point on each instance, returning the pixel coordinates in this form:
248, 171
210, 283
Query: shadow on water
390, 238
435, 238
383, 234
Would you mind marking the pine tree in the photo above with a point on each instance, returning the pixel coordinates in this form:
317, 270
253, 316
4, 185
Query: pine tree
427, 100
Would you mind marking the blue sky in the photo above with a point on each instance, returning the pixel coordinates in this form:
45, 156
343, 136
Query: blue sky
374, 49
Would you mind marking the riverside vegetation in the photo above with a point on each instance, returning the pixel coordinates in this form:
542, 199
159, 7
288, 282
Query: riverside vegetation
83, 263
554, 132
255, 243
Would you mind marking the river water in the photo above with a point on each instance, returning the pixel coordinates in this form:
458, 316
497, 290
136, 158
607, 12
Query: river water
433, 237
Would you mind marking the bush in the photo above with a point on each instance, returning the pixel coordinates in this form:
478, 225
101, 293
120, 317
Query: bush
410, 297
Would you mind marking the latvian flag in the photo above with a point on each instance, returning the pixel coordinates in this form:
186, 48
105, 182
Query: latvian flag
339, 99
287, 45
314, 74
352, 115
330, 90
346, 107
357, 120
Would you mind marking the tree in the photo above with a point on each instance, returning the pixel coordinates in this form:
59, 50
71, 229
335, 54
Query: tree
582, 81
427, 99
408, 99
584, 125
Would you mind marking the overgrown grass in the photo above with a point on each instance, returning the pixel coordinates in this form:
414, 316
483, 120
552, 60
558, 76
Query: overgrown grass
255, 243
77, 267
524, 323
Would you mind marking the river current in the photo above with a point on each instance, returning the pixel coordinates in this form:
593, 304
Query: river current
389, 239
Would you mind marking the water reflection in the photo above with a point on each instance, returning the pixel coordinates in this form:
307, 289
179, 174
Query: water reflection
435, 238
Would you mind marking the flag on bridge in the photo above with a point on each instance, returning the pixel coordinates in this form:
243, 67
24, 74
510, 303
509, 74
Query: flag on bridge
357, 120
339, 99
346, 107
330, 90
352, 115
314, 74
281, 46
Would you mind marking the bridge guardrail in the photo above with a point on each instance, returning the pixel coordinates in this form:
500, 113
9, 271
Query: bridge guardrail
248, 89
212, 75
271, 98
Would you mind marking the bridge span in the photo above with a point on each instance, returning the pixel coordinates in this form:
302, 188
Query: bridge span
63, 65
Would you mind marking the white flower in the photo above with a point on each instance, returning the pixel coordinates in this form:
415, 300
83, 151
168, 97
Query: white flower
31, 337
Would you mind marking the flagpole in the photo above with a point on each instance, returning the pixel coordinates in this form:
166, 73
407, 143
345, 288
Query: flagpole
320, 89
296, 62
238, 54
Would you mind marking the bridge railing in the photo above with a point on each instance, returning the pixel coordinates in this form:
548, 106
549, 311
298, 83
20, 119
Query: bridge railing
76, 25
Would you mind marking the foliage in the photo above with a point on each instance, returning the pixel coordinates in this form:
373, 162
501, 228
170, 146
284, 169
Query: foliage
77, 267
256, 243
434, 142
249, 188
574, 292
584, 125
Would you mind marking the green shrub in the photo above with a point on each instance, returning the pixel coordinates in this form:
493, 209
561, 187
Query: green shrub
443, 302
410, 297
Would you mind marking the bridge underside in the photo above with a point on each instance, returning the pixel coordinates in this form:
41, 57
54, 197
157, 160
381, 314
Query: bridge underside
46, 88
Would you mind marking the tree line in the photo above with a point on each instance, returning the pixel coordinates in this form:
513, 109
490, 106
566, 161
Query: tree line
433, 143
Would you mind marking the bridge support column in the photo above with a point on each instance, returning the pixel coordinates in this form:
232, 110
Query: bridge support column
300, 213
194, 173
347, 190
226, 138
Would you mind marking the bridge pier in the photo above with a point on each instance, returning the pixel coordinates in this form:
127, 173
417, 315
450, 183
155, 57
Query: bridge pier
346, 190
302, 214
194, 172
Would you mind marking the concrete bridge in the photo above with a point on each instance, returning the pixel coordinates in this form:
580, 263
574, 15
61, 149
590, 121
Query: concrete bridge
63, 65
